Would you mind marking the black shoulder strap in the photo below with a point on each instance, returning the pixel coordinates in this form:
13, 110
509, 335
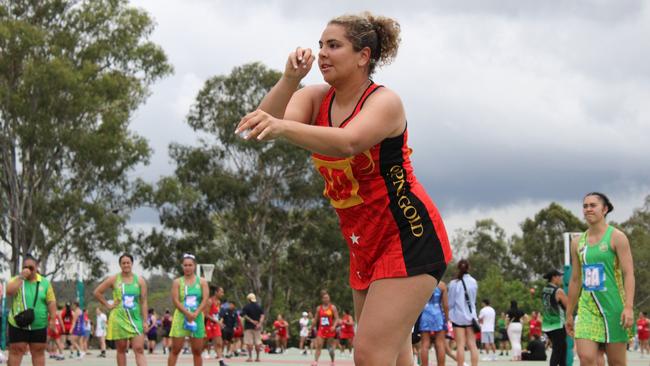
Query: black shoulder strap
469, 303
38, 283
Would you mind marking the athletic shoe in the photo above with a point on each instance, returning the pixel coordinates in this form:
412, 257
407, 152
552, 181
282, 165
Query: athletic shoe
221, 363
205, 355
59, 357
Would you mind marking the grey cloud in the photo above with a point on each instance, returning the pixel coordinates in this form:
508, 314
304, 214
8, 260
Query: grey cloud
507, 101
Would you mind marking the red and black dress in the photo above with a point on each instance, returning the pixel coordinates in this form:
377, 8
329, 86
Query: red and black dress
392, 227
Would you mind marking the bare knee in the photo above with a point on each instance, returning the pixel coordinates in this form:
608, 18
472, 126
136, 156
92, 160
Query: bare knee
16, 349
363, 353
587, 358
196, 350
176, 348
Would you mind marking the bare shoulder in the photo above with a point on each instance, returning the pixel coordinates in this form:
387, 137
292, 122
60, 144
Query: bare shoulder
618, 234
315, 92
619, 238
574, 243
385, 96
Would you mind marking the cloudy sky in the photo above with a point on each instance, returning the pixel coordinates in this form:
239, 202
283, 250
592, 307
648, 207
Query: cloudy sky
511, 104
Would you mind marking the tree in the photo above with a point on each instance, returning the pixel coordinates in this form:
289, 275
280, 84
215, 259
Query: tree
486, 248
637, 229
233, 202
71, 75
541, 246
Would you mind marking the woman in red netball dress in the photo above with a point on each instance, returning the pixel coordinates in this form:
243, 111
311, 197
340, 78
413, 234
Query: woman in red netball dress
327, 317
643, 332
357, 132
347, 332
213, 324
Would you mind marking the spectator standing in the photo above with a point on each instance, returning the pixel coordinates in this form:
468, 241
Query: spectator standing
253, 320
487, 317
30, 290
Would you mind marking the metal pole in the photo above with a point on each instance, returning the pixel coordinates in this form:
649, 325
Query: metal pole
565, 280
80, 286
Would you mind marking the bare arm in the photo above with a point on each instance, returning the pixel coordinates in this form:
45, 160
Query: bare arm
574, 286
445, 299
561, 298
177, 303
204, 299
75, 316
276, 101
144, 304
99, 291
624, 253
51, 309
382, 117
336, 314
576, 279
13, 286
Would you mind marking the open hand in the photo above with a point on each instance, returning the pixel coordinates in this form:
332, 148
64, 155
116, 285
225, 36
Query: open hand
260, 125
299, 63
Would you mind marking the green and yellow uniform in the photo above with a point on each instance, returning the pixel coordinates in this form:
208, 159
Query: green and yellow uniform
190, 296
125, 320
603, 296
24, 299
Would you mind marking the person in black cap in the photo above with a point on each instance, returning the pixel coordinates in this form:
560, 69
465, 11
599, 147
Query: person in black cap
554, 301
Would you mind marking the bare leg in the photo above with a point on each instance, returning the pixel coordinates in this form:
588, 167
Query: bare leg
381, 332
137, 343
459, 336
318, 346
122, 345
425, 345
197, 347
616, 355
587, 352
175, 350
440, 347
471, 344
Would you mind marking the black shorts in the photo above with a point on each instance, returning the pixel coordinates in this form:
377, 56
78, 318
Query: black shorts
18, 335
227, 333
460, 326
438, 272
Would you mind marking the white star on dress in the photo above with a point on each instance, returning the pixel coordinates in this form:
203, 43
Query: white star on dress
355, 238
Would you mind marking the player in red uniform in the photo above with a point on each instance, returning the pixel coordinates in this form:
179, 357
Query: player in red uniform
347, 331
534, 326
327, 317
282, 331
357, 132
213, 324
66, 317
643, 332
56, 346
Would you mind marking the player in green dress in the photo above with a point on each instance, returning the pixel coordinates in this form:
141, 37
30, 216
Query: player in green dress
127, 310
602, 286
190, 297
